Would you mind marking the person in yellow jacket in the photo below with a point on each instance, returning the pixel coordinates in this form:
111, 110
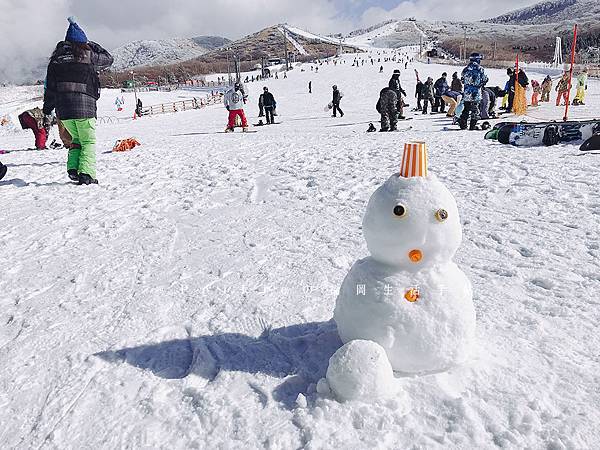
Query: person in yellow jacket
581, 87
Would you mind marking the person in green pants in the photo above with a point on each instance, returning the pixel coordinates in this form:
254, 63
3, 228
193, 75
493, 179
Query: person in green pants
72, 88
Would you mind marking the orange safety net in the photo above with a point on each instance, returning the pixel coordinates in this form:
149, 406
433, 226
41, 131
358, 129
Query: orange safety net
124, 145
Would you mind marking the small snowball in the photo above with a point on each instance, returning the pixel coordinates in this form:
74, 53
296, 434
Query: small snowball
360, 370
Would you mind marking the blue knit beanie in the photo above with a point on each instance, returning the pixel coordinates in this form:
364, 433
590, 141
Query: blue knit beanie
75, 33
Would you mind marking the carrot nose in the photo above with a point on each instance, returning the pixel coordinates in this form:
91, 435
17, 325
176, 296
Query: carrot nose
415, 255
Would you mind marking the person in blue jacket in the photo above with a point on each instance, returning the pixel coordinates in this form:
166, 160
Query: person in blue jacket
474, 79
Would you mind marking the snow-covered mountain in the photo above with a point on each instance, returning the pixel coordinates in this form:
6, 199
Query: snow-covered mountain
552, 11
165, 51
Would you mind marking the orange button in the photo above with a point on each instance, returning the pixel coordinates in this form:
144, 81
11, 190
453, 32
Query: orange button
415, 255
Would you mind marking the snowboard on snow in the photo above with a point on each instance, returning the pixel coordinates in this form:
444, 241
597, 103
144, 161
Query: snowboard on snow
525, 134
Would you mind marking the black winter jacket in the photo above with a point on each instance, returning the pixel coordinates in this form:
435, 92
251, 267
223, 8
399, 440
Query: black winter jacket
395, 85
268, 100
72, 84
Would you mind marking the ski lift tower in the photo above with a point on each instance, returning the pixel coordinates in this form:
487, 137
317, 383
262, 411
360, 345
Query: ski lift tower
557, 61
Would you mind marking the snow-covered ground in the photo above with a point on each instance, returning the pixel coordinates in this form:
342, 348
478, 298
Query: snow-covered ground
185, 301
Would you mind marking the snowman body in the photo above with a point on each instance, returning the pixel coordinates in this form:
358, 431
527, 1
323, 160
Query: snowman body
408, 296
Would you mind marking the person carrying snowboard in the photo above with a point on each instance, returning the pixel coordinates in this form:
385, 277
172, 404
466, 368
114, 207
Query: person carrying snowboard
581, 87
234, 103
474, 78
35, 121
337, 97
269, 104
73, 88
394, 84
387, 106
563, 88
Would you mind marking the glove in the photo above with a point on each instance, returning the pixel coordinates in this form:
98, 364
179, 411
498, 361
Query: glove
227, 107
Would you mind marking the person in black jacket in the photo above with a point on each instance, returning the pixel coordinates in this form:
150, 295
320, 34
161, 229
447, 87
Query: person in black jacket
395, 85
3, 170
337, 97
269, 105
72, 88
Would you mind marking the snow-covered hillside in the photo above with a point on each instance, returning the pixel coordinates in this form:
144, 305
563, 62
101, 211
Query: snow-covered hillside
185, 301
156, 52
552, 11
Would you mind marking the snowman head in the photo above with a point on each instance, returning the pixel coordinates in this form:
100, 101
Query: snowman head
412, 222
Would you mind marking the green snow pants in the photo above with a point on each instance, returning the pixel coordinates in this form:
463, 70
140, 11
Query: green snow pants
83, 132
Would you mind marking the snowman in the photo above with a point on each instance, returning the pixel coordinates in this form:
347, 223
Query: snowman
408, 300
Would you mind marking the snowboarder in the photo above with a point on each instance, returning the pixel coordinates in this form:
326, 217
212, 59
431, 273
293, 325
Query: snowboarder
72, 89
234, 103
269, 105
440, 87
452, 99
35, 121
337, 97
3, 170
387, 107
394, 84
310, 87
380, 69
261, 105
427, 94
563, 88
581, 87
537, 90
546, 89
456, 85
474, 79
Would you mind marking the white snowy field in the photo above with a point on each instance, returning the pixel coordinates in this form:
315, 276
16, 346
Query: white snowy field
185, 301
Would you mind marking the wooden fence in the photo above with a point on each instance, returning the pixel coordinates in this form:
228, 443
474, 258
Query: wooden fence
183, 105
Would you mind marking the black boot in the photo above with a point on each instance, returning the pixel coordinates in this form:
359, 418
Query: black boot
73, 175
84, 178
462, 123
473, 125
3, 170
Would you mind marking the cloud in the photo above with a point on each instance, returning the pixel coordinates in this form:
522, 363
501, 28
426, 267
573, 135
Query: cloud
465, 10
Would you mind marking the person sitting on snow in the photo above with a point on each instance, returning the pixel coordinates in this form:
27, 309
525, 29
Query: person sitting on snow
33, 120
387, 106
234, 103
474, 78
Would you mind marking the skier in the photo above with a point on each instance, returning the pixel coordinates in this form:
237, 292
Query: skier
456, 85
546, 89
581, 87
394, 84
474, 79
337, 97
387, 107
427, 94
34, 120
73, 88
537, 90
3, 170
563, 88
440, 87
234, 103
269, 104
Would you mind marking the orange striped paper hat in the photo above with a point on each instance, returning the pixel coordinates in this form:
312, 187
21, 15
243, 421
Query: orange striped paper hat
414, 160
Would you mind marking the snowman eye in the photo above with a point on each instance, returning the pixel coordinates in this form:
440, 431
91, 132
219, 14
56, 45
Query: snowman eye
441, 215
400, 211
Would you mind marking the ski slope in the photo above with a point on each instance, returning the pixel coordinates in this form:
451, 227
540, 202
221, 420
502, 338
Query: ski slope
185, 301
